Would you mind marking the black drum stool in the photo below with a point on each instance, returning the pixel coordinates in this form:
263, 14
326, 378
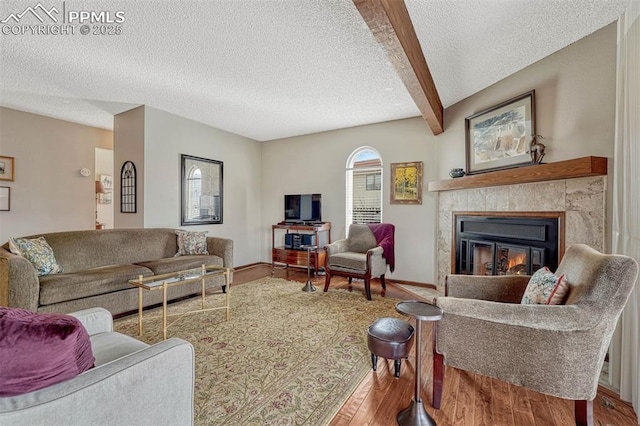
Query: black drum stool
390, 338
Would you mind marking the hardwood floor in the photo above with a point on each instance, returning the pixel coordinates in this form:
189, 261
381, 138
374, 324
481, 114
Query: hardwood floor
468, 398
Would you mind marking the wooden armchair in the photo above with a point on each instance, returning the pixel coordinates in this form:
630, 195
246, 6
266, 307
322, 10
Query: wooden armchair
557, 350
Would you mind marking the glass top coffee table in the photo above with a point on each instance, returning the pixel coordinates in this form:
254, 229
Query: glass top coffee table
164, 281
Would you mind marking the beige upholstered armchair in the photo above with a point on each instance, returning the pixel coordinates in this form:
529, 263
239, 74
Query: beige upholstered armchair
557, 350
359, 256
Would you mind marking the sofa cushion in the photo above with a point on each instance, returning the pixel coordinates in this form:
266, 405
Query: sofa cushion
191, 242
40, 350
38, 252
77, 285
349, 262
545, 288
181, 263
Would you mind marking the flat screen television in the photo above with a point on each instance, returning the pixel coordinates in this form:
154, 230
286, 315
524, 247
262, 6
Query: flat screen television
300, 208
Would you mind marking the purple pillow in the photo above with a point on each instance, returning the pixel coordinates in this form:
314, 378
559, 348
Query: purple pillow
39, 350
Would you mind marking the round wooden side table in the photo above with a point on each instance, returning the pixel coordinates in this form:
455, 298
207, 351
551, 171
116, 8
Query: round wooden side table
415, 414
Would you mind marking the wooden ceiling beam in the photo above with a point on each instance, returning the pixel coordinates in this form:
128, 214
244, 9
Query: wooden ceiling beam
391, 26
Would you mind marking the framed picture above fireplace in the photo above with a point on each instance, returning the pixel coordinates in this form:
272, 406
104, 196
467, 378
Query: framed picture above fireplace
498, 137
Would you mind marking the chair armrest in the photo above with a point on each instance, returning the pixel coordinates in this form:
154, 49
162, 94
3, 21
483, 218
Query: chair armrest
95, 320
222, 247
497, 288
535, 346
552, 318
338, 246
19, 284
375, 263
376, 251
159, 384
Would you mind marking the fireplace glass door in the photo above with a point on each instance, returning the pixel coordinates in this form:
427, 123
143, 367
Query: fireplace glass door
498, 245
512, 260
481, 258
489, 258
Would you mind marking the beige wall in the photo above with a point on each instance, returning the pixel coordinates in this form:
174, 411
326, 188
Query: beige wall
575, 105
128, 145
48, 193
575, 102
167, 136
317, 163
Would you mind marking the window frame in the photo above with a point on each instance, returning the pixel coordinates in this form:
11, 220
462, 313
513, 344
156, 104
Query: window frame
353, 169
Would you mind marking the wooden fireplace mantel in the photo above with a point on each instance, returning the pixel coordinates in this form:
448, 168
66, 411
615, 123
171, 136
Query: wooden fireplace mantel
569, 169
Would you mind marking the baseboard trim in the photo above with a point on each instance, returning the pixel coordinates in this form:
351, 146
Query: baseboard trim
413, 283
250, 266
389, 280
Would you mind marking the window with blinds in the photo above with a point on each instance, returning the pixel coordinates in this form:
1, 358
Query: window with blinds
364, 187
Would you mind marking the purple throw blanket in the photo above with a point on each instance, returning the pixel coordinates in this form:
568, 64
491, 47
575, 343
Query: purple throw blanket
38, 350
384, 233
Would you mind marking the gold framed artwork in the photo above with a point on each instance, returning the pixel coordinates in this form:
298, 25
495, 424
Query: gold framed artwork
406, 183
7, 168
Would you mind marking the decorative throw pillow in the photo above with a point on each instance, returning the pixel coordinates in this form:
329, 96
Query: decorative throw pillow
545, 288
40, 350
191, 243
38, 252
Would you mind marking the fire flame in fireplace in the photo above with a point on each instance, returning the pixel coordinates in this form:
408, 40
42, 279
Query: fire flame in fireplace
516, 263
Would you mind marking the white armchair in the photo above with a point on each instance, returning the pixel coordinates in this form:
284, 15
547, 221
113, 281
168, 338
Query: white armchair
132, 383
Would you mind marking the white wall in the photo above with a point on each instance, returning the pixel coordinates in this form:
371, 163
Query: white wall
104, 166
316, 164
48, 193
167, 136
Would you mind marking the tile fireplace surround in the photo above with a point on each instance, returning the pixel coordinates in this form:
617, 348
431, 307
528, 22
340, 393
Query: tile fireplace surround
582, 200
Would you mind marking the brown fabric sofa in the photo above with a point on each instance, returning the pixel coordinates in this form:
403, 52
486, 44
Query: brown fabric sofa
97, 266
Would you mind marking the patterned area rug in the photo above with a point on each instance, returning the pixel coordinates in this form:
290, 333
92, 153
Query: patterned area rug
286, 357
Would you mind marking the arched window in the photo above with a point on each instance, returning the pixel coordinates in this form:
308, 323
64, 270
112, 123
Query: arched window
194, 189
364, 187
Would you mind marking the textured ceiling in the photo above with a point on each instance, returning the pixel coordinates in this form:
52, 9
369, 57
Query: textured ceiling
269, 69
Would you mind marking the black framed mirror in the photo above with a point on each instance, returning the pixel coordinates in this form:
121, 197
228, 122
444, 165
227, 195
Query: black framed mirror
201, 190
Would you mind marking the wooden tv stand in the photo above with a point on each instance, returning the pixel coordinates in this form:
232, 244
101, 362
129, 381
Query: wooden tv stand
298, 257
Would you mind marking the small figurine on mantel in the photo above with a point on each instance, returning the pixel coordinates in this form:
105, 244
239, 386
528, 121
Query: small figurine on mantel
536, 149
